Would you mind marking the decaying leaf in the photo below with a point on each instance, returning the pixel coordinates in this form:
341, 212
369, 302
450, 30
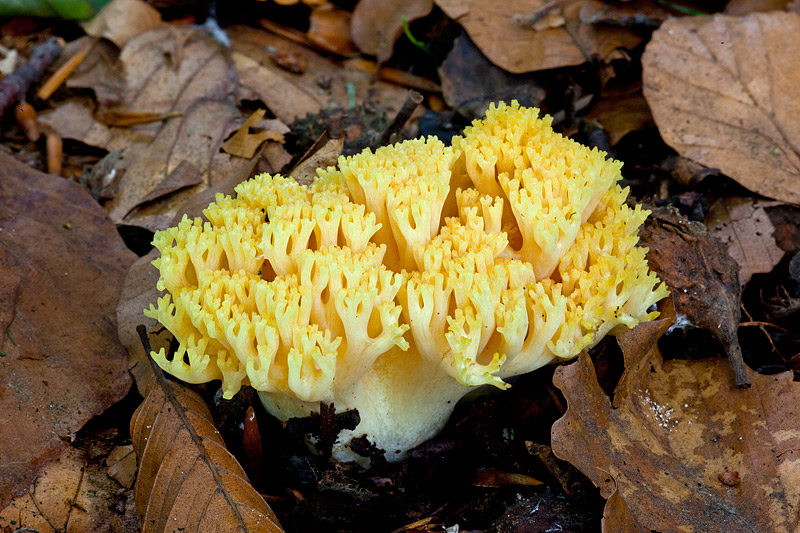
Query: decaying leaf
62, 264
321, 155
187, 479
701, 275
723, 91
377, 24
674, 426
506, 32
743, 225
73, 119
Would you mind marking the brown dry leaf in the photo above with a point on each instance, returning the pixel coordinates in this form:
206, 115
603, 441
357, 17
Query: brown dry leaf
122, 20
323, 156
324, 83
329, 29
377, 24
99, 72
139, 288
187, 479
673, 427
723, 91
62, 264
743, 225
621, 112
73, 493
631, 13
244, 144
503, 32
126, 119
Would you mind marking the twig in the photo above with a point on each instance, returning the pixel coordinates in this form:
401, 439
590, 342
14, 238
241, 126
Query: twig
14, 86
64, 72
409, 106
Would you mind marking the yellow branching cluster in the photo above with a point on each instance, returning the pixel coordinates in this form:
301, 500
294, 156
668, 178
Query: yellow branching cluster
403, 278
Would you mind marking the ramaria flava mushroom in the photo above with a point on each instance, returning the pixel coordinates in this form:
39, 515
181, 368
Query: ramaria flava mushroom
403, 279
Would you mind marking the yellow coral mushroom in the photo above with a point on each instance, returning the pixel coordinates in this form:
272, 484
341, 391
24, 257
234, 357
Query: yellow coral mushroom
404, 278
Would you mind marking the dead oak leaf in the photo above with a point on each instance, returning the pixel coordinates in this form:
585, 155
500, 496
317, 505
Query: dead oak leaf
723, 92
505, 33
673, 428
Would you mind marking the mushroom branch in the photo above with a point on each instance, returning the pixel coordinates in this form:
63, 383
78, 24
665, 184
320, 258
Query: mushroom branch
402, 279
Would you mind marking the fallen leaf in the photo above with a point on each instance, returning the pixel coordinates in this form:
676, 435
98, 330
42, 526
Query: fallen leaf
701, 275
377, 24
62, 264
187, 478
183, 176
672, 428
98, 72
743, 225
122, 20
470, 82
329, 29
627, 14
244, 144
503, 32
723, 93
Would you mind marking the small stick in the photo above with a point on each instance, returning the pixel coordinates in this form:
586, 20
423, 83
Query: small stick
14, 86
64, 72
409, 106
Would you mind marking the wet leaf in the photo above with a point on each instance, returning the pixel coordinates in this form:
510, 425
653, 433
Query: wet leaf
504, 31
62, 264
673, 427
723, 93
187, 478
377, 24
743, 225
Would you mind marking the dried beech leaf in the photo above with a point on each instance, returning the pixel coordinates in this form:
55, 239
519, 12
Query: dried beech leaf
188, 480
723, 91
673, 428
745, 227
503, 32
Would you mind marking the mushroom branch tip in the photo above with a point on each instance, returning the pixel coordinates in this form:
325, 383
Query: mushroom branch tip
403, 278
